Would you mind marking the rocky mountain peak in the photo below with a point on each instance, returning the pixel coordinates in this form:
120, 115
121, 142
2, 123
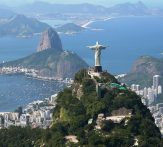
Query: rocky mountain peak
50, 40
146, 64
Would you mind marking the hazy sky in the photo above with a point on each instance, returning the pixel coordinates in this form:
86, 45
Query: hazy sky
158, 3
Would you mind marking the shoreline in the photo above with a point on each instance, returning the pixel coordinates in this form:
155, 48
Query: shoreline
32, 73
62, 83
45, 79
44, 111
89, 22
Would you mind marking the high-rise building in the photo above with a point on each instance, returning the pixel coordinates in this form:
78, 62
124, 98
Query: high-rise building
156, 81
137, 87
143, 101
159, 89
151, 96
133, 87
145, 92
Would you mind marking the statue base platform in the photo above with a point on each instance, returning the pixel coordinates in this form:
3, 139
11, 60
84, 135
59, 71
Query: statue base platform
98, 69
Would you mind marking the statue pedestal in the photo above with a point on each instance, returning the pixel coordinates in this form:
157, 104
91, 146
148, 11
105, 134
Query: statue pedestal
98, 68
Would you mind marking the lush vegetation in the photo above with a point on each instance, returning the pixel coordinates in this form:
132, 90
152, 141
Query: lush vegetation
50, 63
69, 28
71, 117
20, 137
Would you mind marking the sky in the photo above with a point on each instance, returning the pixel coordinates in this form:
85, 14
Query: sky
150, 3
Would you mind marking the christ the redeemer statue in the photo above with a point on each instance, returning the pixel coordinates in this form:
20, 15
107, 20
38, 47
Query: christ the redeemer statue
97, 48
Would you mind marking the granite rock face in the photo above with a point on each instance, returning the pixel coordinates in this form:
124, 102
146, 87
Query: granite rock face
50, 40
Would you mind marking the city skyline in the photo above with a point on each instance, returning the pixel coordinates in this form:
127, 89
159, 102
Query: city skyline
107, 3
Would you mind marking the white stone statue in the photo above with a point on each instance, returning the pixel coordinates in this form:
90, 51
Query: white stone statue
97, 48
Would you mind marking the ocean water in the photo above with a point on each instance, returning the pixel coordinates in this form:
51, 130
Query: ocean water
55, 23
19, 90
13, 48
127, 38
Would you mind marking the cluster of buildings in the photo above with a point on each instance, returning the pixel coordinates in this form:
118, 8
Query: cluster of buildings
17, 70
33, 73
150, 94
35, 114
157, 113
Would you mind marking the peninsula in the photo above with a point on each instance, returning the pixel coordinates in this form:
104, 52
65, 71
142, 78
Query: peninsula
51, 60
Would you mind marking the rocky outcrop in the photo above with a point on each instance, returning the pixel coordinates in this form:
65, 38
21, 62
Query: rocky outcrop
50, 40
77, 90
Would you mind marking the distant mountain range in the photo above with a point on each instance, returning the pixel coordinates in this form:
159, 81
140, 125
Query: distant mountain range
42, 8
14, 24
20, 25
51, 60
129, 9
